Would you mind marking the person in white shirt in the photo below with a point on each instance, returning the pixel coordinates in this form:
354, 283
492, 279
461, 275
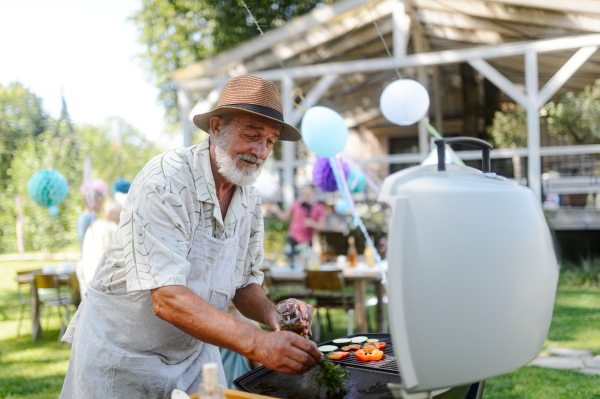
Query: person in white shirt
97, 238
190, 240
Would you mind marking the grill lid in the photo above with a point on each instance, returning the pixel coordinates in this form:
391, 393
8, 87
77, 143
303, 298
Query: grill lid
472, 274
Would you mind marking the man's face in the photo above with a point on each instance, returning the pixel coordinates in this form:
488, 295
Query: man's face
243, 146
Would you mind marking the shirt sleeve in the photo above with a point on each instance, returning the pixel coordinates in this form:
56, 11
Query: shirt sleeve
318, 212
157, 229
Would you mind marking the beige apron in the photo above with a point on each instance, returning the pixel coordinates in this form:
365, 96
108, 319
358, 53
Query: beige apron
122, 350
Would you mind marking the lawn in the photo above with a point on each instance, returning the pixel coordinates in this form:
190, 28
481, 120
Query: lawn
37, 370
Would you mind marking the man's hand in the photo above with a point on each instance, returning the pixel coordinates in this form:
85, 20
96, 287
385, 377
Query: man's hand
305, 310
287, 352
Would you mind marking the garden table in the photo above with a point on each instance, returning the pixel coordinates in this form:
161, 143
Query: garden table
359, 277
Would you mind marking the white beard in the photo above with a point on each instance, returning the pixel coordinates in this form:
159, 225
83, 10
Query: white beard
227, 165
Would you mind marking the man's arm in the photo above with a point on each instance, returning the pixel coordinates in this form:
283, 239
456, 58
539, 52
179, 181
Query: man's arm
252, 302
280, 350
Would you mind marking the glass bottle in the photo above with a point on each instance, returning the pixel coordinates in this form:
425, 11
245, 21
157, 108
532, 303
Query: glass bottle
352, 252
369, 255
289, 318
210, 387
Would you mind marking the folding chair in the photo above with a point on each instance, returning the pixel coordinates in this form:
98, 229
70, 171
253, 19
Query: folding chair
53, 297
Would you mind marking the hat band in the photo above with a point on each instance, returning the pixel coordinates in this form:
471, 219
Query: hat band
259, 109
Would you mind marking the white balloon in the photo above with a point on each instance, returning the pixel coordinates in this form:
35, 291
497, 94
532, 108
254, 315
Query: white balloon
404, 102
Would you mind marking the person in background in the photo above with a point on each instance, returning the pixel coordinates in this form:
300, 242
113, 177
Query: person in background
94, 195
307, 217
96, 240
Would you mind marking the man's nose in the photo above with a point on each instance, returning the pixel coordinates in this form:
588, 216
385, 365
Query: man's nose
261, 150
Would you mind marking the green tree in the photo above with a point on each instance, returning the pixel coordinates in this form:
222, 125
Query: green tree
177, 33
21, 116
63, 147
576, 118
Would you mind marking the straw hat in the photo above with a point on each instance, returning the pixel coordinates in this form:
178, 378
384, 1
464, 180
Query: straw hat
252, 95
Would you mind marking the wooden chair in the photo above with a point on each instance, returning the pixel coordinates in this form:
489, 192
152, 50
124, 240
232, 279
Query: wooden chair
24, 295
328, 289
53, 297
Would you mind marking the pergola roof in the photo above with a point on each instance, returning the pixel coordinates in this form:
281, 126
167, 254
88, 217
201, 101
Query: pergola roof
533, 50
345, 31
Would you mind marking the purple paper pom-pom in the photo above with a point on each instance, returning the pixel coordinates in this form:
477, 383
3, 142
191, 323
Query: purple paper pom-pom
323, 176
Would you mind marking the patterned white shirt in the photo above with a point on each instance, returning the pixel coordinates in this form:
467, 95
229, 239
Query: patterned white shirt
159, 219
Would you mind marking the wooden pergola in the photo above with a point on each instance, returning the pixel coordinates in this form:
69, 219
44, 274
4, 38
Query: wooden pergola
532, 50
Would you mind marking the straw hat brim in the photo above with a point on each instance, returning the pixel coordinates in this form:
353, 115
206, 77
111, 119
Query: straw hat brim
202, 121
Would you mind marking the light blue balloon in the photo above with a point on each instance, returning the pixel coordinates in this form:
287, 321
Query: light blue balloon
53, 210
324, 131
341, 207
48, 187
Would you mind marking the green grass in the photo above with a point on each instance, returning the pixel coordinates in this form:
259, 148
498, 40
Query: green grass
37, 370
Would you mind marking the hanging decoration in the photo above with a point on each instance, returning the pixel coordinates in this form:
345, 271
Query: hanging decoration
357, 182
341, 207
324, 131
323, 176
121, 186
48, 188
404, 102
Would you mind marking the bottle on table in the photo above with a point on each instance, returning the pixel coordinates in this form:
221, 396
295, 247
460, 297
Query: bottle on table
210, 387
352, 252
369, 256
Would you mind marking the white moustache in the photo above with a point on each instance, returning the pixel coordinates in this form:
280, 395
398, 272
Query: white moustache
250, 158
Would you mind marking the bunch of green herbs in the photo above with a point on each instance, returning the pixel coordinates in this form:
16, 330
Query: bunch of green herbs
332, 377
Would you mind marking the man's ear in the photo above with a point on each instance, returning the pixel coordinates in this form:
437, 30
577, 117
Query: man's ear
216, 126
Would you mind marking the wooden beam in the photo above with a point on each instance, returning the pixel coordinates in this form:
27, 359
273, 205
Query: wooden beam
502, 12
322, 36
477, 36
461, 21
576, 6
560, 78
413, 60
500, 81
312, 97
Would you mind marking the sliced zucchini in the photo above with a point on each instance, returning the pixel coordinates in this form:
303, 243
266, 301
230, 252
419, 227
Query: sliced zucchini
360, 339
372, 340
327, 348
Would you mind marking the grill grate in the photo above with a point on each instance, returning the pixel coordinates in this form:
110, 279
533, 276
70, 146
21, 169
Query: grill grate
388, 364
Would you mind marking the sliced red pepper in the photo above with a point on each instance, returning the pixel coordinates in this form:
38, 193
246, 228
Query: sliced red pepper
378, 345
337, 355
346, 348
375, 354
354, 346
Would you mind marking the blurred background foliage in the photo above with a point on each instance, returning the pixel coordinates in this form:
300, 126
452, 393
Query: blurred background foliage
31, 140
177, 33
575, 119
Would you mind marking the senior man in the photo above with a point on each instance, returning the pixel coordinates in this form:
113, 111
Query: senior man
190, 240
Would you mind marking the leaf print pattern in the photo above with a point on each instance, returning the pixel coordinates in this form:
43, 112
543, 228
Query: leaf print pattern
160, 216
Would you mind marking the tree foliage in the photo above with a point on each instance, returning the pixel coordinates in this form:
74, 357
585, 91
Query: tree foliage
177, 33
509, 128
21, 117
576, 118
62, 146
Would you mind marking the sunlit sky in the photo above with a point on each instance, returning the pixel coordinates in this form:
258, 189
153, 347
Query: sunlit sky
86, 48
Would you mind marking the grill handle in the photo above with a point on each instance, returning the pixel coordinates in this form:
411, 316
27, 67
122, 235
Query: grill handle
472, 141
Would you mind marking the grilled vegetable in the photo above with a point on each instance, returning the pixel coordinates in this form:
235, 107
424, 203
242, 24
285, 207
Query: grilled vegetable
337, 355
368, 354
332, 377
